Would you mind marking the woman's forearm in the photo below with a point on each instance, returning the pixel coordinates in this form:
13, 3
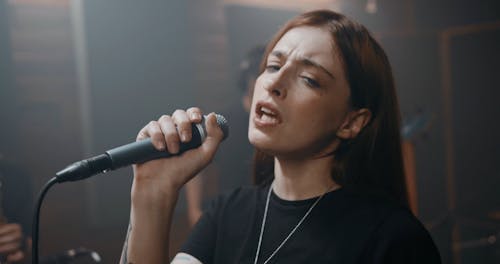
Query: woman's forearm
156, 184
148, 233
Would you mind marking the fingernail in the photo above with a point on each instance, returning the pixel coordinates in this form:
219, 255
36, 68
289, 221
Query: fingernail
184, 136
213, 119
195, 116
161, 146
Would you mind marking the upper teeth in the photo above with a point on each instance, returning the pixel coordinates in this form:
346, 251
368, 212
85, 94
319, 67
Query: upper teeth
266, 110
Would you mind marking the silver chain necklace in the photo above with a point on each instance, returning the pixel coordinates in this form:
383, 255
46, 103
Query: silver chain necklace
291, 232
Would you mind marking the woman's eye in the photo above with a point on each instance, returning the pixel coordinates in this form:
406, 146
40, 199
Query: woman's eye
310, 82
272, 68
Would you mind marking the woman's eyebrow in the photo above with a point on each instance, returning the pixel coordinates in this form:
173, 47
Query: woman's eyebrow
305, 61
278, 54
309, 62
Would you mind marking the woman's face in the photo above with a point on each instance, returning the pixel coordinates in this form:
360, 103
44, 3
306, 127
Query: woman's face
302, 97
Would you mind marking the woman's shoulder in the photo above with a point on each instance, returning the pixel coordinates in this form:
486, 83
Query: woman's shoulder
379, 213
402, 237
393, 232
357, 202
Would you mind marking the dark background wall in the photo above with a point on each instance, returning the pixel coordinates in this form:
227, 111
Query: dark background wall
140, 67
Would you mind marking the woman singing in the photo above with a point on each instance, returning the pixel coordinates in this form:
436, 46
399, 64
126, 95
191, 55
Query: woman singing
330, 186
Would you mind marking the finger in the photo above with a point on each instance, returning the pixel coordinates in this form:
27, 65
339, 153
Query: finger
153, 130
14, 237
143, 134
16, 256
9, 228
181, 120
213, 128
195, 114
170, 134
9, 248
214, 135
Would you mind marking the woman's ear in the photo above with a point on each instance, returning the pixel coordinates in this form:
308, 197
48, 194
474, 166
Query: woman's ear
354, 122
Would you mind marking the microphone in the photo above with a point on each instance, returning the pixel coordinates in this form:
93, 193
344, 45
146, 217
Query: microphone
132, 153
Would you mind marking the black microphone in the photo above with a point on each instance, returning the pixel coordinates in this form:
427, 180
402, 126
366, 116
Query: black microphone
136, 152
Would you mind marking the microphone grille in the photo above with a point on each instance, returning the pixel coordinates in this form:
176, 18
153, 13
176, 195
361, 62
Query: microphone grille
222, 122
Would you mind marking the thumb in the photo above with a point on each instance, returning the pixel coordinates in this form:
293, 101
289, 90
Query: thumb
214, 134
214, 131
15, 257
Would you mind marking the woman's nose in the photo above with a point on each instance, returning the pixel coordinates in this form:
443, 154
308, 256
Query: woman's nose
276, 84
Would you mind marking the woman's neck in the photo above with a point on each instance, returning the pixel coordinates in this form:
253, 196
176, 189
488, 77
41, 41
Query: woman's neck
303, 179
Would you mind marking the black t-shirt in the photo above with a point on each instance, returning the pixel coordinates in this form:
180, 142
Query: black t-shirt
344, 227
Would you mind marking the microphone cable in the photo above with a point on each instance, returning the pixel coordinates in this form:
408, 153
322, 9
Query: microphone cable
36, 218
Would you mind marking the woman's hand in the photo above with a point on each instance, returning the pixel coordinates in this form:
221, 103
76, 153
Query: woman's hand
157, 182
11, 241
158, 177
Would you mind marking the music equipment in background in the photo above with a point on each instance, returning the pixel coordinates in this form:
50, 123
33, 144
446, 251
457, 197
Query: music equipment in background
72, 256
491, 222
411, 129
417, 127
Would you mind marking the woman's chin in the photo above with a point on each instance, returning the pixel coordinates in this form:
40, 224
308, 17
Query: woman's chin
267, 145
260, 140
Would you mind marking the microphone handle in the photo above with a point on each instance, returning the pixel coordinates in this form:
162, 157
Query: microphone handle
136, 152
144, 150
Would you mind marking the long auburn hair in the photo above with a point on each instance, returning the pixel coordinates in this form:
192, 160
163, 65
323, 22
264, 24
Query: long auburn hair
372, 161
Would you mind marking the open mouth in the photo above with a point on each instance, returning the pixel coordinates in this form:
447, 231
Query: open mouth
266, 114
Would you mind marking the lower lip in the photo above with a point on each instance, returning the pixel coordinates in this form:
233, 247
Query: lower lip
263, 121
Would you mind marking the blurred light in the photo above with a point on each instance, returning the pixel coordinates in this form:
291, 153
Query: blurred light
39, 2
371, 6
302, 5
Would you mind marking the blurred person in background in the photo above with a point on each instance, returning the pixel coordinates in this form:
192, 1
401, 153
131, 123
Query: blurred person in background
16, 199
